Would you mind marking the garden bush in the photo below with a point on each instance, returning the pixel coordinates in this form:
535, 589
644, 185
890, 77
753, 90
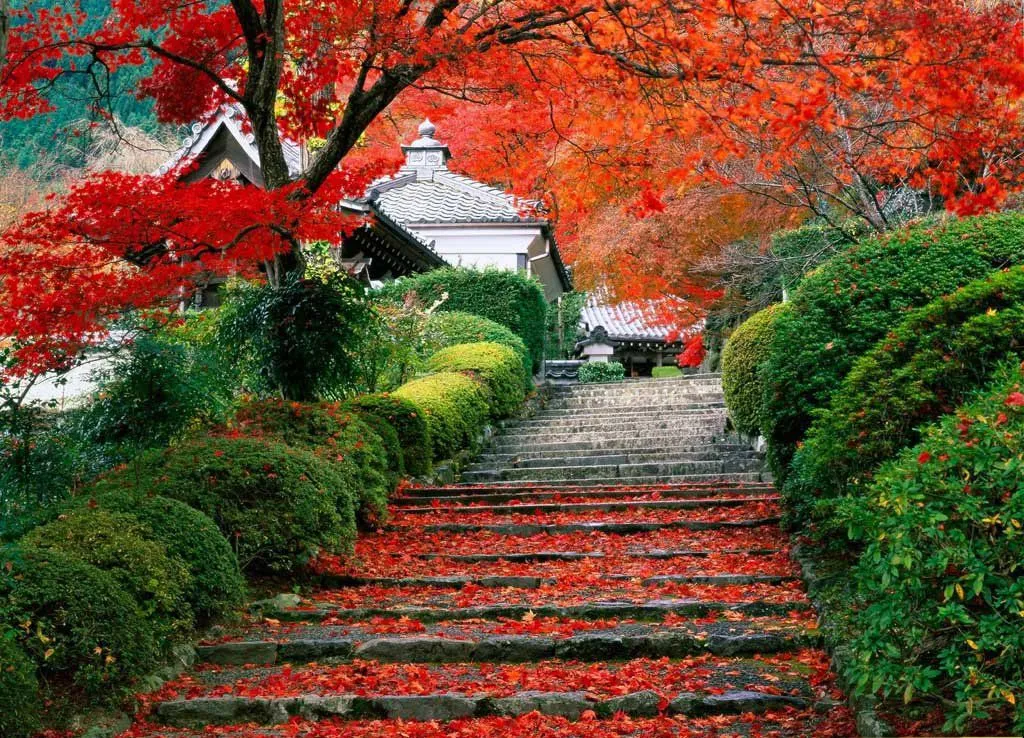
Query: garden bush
744, 353
334, 433
117, 544
454, 406
666, 372
20, 703
408, 422
923, 369
74, 621
940, 578
452, 328
563, 325
508, 298
216, 588
601, 371
847, 304
500, 369
278, 505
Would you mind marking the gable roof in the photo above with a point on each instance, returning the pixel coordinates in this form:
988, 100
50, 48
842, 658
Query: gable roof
446, 197
626, 321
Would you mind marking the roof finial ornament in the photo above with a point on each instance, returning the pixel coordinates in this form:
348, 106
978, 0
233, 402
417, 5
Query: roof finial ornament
427, 129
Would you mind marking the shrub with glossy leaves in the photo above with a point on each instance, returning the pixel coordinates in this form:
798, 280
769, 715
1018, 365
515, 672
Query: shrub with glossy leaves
454, 406
842, 308
408, 422
278, 505
444, 329
216, 587
601, 371
334, 433
506, 297
74, 621
117, 544
940, 578
744, 353
500, 369
20, 704
923, 369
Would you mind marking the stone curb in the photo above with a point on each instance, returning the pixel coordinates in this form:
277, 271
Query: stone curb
591, 647
210, 711
869, 723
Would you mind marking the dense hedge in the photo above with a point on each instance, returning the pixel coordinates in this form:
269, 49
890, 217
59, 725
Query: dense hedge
666, 372
842, 308
509, 298
117, 544
408, 422
20, 705
450, 329
279, 505
601, 371
500, 368
940, 579
95, 635
216, 587
337, 435
923, 369
744, 353
455, 408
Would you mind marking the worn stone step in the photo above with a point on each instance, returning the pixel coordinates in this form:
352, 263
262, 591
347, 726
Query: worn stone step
466, 497
574, 488
639, 415
533, 529
613, 444
226, 711
486, 461
653, 447
611, 437
545, 556
628, 641
501, 581
582, 507
609, 471
622, 424
732, 477
655, 409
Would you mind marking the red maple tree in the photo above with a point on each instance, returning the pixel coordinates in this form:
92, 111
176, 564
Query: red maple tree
578, 102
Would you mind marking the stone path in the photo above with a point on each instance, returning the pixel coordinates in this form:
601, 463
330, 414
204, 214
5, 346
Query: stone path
658, 599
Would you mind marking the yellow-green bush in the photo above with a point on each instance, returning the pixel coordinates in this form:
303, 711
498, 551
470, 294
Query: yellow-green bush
744, 353
408, 422
454, 405
450, 329
498, 366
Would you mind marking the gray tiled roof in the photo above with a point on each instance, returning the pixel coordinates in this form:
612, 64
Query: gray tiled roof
446, 197
626, 321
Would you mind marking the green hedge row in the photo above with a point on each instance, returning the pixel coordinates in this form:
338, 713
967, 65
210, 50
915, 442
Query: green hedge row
601, 371
742, 358
452, 328
499, 368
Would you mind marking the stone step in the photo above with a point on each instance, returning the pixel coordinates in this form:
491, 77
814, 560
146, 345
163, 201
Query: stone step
613, 438
654, 409
610, 404
501, 581
511, 461
607, 471
468, 496
651, 447
733, 477
614, 443
622, 423
534, 529
561, 487
534, 557
602, 507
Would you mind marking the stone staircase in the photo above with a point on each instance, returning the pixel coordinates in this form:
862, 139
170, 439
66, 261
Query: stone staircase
570, 598
633, 432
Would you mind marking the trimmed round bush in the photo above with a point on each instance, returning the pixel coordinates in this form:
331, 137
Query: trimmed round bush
601, 371
444, 329
388, 436
940, 579
500, 369
334, 433
744, 353
216, 587
20, 703
920, 371
666, 372
506, 297
841, 309
95, 635
117, 544
408, 422
278, 505
454, 406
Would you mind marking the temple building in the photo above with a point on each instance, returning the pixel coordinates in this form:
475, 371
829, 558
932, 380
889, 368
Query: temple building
423, 217
627, 332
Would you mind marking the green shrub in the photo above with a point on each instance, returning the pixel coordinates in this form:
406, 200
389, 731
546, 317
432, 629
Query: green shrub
744, 353
216, 587
452, 328
921, 370
278, 505
117, 544
395, 461
20, 704
601, 371
498, 366
940, 579
74, 621
334, 433
563, 325
454, 406
666, 372
847, 304
408, 422
509, 298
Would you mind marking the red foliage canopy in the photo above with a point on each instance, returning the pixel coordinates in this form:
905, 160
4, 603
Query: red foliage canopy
581, 103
